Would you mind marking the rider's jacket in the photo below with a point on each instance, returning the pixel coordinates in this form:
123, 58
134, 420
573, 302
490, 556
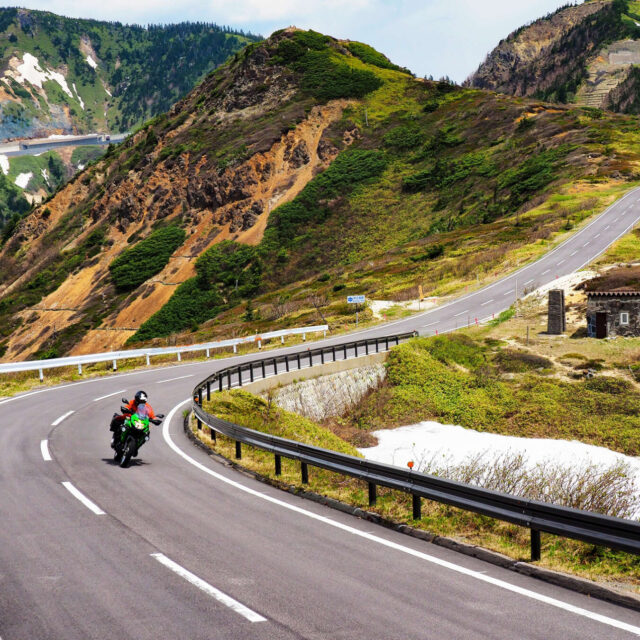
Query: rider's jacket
132, 406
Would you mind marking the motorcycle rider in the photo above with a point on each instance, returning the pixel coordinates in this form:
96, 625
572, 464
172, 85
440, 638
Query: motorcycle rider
131, 408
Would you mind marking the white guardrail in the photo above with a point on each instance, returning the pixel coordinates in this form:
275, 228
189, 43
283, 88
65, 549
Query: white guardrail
114, 356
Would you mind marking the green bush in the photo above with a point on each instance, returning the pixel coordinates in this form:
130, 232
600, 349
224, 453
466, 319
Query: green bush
370, 56
350, 168
146, 258
433, 252
405, 137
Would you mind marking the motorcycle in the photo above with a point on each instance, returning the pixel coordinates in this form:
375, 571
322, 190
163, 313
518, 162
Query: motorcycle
133, 433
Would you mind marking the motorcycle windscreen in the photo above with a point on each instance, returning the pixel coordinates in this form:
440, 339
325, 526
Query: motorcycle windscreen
143, 411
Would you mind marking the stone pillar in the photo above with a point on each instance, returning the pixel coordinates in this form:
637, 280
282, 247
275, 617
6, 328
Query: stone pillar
557, 323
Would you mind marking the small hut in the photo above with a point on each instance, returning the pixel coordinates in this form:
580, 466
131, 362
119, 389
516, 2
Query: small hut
613, 303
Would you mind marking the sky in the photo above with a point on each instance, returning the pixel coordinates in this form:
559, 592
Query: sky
429, 37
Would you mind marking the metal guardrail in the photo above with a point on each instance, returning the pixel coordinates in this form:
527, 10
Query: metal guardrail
615, 533
114, 356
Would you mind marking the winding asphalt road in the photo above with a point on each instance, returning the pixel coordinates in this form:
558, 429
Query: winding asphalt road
179, 546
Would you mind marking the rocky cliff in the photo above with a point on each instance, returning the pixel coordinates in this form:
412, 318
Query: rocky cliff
584, 54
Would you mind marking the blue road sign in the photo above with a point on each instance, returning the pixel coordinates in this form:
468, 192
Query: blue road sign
355, 299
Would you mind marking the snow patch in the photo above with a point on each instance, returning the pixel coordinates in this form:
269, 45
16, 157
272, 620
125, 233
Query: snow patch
78, 95
31, 71
91, 62
23, 179
80, 166
108, 92
421, 442
45, 175
4, 164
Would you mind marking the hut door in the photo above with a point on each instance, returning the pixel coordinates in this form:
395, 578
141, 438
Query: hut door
601, 325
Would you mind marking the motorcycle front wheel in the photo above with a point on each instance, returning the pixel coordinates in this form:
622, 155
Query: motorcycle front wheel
127, 452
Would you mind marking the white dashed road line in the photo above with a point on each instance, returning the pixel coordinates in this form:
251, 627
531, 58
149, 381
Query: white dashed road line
44, 448
172, 379
484, 304
55, 423
85, 501
226, 600
115, 393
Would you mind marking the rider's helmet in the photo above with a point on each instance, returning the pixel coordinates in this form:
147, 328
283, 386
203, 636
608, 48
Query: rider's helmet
141, 397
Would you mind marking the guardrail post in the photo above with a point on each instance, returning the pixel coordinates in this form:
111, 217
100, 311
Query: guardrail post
148, 363
345, 350
366, 347
264, 370
322, 356
299, 365
200, 396
251, 371
535, 545
259, 344
304, 337
281, 339
240, 376
228, 379
356, 347
220, 383
41, 374
79, 368
115, 366
199, 423
377, 346
278, 465
386, 344
324, 333
212, 434
286, 363
238, 450
305, 472
235, 348
207, 353
179, 357
208, 390
275, 366
397, 340
334, 353
372, 494
417, 506
310, 358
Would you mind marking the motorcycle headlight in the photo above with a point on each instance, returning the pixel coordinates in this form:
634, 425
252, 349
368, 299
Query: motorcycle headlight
138, 424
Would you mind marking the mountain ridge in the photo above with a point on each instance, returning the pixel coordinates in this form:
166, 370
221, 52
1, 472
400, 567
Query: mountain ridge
302, 170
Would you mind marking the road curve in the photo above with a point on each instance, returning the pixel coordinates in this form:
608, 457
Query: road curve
181, 546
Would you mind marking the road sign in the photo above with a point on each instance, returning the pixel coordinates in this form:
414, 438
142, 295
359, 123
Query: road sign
355, 299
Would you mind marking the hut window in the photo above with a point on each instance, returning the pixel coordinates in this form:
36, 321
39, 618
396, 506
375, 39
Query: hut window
624, 318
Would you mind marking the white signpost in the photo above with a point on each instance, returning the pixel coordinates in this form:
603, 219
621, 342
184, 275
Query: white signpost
356, 300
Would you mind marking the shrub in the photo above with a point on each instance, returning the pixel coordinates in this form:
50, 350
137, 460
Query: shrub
405, 137
146, 258
370, 56
512, 361
433, 252
607, 384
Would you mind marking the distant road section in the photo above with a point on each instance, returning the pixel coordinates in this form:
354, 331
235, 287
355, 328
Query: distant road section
36, 146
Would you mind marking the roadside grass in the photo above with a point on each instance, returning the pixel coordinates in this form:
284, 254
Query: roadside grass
588, 561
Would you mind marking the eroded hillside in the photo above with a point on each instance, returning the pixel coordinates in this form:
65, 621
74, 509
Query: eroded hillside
304, 169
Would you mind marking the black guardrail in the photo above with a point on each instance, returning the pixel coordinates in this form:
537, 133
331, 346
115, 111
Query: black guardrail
565, 522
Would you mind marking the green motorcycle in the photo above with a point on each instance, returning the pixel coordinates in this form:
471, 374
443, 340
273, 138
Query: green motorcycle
133, 433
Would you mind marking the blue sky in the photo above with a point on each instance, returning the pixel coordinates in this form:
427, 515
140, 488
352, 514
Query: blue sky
430, 37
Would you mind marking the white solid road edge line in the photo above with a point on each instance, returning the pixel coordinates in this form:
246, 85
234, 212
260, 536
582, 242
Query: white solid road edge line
85, 501
55, 423
226, 600
612, 622
44, 448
